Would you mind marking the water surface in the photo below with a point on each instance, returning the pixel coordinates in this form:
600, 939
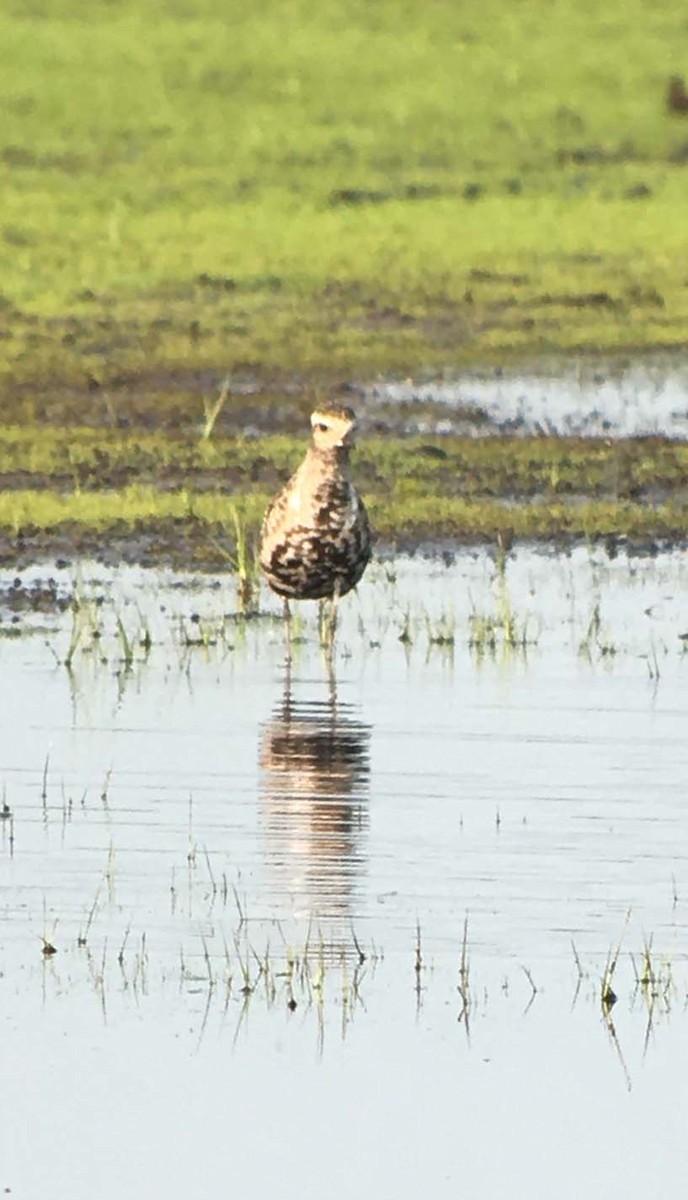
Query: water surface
275, 876
642, 399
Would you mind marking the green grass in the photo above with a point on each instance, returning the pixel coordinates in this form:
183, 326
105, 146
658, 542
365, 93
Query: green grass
296, 195
81, 459
344, 188
428, 518
80, 489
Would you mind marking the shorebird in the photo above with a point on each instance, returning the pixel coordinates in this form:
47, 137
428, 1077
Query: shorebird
315, 539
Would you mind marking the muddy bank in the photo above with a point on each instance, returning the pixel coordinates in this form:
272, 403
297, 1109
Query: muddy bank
629, 395
196, 546
157, 472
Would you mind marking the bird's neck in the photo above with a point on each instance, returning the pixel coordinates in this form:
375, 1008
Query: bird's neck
335, 459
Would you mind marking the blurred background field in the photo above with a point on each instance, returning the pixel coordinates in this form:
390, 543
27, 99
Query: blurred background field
337, 188
301, 198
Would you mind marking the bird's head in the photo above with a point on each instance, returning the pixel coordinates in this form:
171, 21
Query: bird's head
333, 428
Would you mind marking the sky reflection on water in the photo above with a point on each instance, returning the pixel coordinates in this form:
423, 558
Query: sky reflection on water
226, 838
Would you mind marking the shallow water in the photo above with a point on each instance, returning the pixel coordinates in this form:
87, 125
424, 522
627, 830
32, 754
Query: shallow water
643, 399
275, 878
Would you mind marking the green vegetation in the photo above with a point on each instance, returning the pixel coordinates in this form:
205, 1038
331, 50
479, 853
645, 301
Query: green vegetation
82, 460
284, 196
202, 500
284, 188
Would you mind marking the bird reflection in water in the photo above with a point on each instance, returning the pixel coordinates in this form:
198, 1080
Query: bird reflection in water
315, 762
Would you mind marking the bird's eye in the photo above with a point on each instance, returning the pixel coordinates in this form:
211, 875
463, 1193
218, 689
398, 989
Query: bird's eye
321, 427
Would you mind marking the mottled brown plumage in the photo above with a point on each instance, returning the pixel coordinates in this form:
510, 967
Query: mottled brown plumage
315, 541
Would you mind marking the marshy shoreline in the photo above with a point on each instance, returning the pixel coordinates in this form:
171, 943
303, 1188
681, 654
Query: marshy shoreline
177, 475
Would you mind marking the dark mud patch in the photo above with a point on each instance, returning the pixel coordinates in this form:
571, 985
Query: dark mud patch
191, 545
181, 544
589, 397
354, 197
21, 602
229, 478
166, 399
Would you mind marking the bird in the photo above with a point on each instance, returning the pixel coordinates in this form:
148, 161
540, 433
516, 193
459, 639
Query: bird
315, 539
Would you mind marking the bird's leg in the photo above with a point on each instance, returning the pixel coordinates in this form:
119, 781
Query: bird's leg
287, 632
327, 620
333, 609
287, 695
325, 625
327, 638
322, 623
331, 681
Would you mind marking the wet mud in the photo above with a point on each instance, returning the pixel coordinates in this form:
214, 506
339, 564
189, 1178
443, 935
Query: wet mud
561, 451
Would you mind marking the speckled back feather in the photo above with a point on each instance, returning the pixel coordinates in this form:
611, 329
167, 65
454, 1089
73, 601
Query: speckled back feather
315, 540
